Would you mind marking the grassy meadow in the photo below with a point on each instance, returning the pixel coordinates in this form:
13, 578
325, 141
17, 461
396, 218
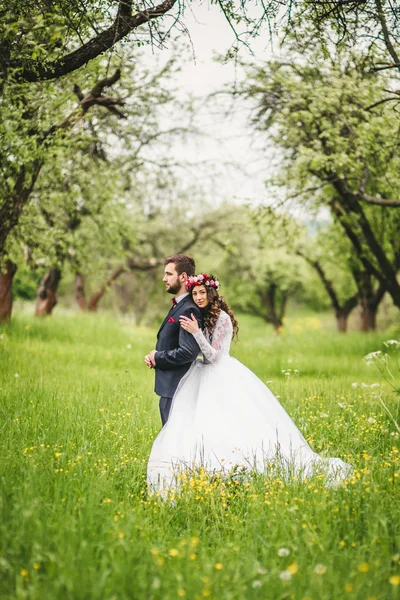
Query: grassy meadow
78, 416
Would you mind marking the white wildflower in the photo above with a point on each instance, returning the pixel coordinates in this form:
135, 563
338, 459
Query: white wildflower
285, 575
320, 569
371, 420
256, 583
16, 374
283, 552
156, 583
369, 358
392, 343
129, 346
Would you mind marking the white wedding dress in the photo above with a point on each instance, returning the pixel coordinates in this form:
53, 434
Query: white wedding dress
223, 417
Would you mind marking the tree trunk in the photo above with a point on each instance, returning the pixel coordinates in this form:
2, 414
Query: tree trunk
370, 299
277, 324
274, 307
80, 296
368, 319
94, 300
6, 300
341, 322
12, 207
368, 314
47, 296
386, 273
96, 296
342, 310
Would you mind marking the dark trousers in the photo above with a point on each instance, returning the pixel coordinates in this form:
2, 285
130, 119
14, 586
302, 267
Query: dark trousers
165, 407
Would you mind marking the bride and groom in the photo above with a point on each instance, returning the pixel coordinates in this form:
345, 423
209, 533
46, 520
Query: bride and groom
216, 413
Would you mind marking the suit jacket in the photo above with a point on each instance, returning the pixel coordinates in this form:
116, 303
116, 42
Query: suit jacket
176, 348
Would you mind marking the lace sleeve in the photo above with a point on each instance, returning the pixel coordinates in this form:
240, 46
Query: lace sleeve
221, 339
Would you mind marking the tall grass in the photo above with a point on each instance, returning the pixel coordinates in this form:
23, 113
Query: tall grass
77, 419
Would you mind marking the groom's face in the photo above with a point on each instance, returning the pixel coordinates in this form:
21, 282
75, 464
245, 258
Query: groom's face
171, 279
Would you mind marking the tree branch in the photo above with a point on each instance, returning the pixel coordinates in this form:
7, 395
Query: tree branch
123, 25
380, 201
325, 281
385, 31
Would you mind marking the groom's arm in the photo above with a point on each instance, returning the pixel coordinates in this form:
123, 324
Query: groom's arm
187, 350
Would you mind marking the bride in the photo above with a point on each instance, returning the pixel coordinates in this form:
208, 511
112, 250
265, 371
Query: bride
223, 417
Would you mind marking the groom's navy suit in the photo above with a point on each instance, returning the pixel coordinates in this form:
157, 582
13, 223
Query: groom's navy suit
176, 349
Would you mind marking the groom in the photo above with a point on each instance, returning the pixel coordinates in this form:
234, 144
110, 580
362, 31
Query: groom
176, 349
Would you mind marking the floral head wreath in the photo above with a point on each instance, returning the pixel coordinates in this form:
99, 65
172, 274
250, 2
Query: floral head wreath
202, 279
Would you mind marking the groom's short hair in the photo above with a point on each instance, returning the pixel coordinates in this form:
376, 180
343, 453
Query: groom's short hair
183, 264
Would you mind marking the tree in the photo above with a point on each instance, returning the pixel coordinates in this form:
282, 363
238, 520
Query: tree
102, 161
21, 164
160, 233
343, 277
337, 152
368, 24
43, 42
258, 262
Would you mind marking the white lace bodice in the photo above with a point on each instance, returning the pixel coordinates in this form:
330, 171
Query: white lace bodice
221, 338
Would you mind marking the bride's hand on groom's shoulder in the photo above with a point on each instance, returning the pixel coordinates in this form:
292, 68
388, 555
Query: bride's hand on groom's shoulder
150, 360
191, 325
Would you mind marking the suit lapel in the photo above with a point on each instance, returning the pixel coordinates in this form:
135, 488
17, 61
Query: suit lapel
172, 311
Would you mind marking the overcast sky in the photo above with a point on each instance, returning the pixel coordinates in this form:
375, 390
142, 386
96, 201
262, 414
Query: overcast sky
225, 141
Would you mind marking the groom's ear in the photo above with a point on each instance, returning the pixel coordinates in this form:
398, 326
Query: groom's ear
184, 276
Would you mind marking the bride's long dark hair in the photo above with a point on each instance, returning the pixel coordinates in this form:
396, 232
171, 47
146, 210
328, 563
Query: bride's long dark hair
216, 303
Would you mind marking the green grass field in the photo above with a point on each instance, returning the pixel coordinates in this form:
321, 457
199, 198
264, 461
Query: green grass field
78, 416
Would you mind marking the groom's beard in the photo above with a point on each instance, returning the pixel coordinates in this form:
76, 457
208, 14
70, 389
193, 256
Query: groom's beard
174, 288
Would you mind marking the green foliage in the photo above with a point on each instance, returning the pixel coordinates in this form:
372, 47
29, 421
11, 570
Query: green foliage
339, 147
320, 110
26, 282
258, 253
77, 426
92, 195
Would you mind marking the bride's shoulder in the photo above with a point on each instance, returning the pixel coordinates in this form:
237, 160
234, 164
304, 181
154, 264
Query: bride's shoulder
223, 317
